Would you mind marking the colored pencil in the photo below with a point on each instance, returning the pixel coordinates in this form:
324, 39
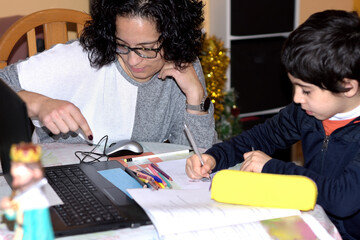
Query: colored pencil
144, 180
153, 171
167, 182
143, 170
161, 185
156, 178
150, 179
143, 175
153, 185
157, 168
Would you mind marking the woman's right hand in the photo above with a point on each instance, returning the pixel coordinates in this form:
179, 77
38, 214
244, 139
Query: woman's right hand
57, 115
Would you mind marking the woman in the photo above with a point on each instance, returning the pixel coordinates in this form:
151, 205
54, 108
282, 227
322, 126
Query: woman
134, 74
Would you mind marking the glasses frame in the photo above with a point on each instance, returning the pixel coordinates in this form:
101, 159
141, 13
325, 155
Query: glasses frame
135, 50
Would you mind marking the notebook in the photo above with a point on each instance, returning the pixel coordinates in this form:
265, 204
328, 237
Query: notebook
91, 203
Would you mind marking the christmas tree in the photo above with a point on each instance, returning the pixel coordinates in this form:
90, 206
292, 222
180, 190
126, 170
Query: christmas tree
214, 61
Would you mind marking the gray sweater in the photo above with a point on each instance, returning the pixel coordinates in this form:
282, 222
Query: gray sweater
160, 105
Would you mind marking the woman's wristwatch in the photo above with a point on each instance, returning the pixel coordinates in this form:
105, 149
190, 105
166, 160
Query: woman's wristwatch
203, 107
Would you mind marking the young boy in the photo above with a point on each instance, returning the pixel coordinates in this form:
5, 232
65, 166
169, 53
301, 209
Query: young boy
322, 58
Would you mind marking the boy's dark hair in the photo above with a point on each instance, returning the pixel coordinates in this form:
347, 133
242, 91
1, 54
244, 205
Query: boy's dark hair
179, 23
325, 49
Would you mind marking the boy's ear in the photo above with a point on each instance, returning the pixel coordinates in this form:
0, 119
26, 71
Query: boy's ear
352, 85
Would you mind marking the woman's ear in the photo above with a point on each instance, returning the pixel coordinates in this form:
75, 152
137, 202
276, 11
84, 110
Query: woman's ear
352, 85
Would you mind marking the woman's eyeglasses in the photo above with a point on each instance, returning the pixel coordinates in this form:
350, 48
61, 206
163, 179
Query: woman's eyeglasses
142, 52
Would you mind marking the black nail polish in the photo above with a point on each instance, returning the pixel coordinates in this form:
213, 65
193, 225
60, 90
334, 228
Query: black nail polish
90, 137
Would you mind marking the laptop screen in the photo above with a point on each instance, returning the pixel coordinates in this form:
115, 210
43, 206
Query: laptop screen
14, 124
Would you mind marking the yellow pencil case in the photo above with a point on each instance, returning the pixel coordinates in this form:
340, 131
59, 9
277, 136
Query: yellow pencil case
264, 190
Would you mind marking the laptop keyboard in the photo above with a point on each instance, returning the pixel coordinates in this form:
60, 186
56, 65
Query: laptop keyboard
77, 192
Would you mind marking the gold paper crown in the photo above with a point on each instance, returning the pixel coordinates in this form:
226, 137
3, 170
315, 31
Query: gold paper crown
25, 153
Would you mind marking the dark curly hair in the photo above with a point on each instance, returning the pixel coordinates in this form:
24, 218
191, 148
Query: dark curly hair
325, 49
179, 23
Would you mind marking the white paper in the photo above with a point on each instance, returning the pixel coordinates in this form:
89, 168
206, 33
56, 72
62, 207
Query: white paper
175, 211
176, 170
253, 231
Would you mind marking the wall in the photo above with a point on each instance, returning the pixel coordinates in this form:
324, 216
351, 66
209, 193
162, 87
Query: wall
206, 14
14, 9
23, 7
308, 7
357, 5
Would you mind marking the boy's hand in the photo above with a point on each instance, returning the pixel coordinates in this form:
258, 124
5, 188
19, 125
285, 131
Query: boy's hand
254, 161
194, 169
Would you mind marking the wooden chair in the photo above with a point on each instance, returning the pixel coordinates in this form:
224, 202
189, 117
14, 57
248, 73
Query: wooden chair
55, 23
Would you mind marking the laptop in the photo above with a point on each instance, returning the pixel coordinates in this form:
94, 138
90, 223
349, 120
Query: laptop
91, 203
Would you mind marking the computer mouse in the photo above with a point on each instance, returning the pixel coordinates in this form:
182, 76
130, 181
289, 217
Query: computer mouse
124, 147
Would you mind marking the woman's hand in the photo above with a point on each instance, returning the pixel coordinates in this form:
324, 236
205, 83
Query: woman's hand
254, 161
195, 170
57, 115
188, 82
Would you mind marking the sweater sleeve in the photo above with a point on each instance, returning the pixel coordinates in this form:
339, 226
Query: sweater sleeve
201, 126
278, 132
10, 76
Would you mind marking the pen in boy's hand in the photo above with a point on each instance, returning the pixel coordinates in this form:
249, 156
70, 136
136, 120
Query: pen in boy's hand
193, 144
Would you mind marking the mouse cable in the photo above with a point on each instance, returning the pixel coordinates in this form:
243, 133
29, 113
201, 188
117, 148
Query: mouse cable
92, 156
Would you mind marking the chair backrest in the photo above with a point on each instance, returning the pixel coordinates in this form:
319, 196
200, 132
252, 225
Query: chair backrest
55, 28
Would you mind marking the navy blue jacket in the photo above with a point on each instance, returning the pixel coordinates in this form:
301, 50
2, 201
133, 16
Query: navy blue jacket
333, 162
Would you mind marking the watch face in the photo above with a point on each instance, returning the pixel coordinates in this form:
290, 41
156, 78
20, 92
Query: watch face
206, 104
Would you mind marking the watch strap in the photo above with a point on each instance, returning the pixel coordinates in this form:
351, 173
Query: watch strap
203, 107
